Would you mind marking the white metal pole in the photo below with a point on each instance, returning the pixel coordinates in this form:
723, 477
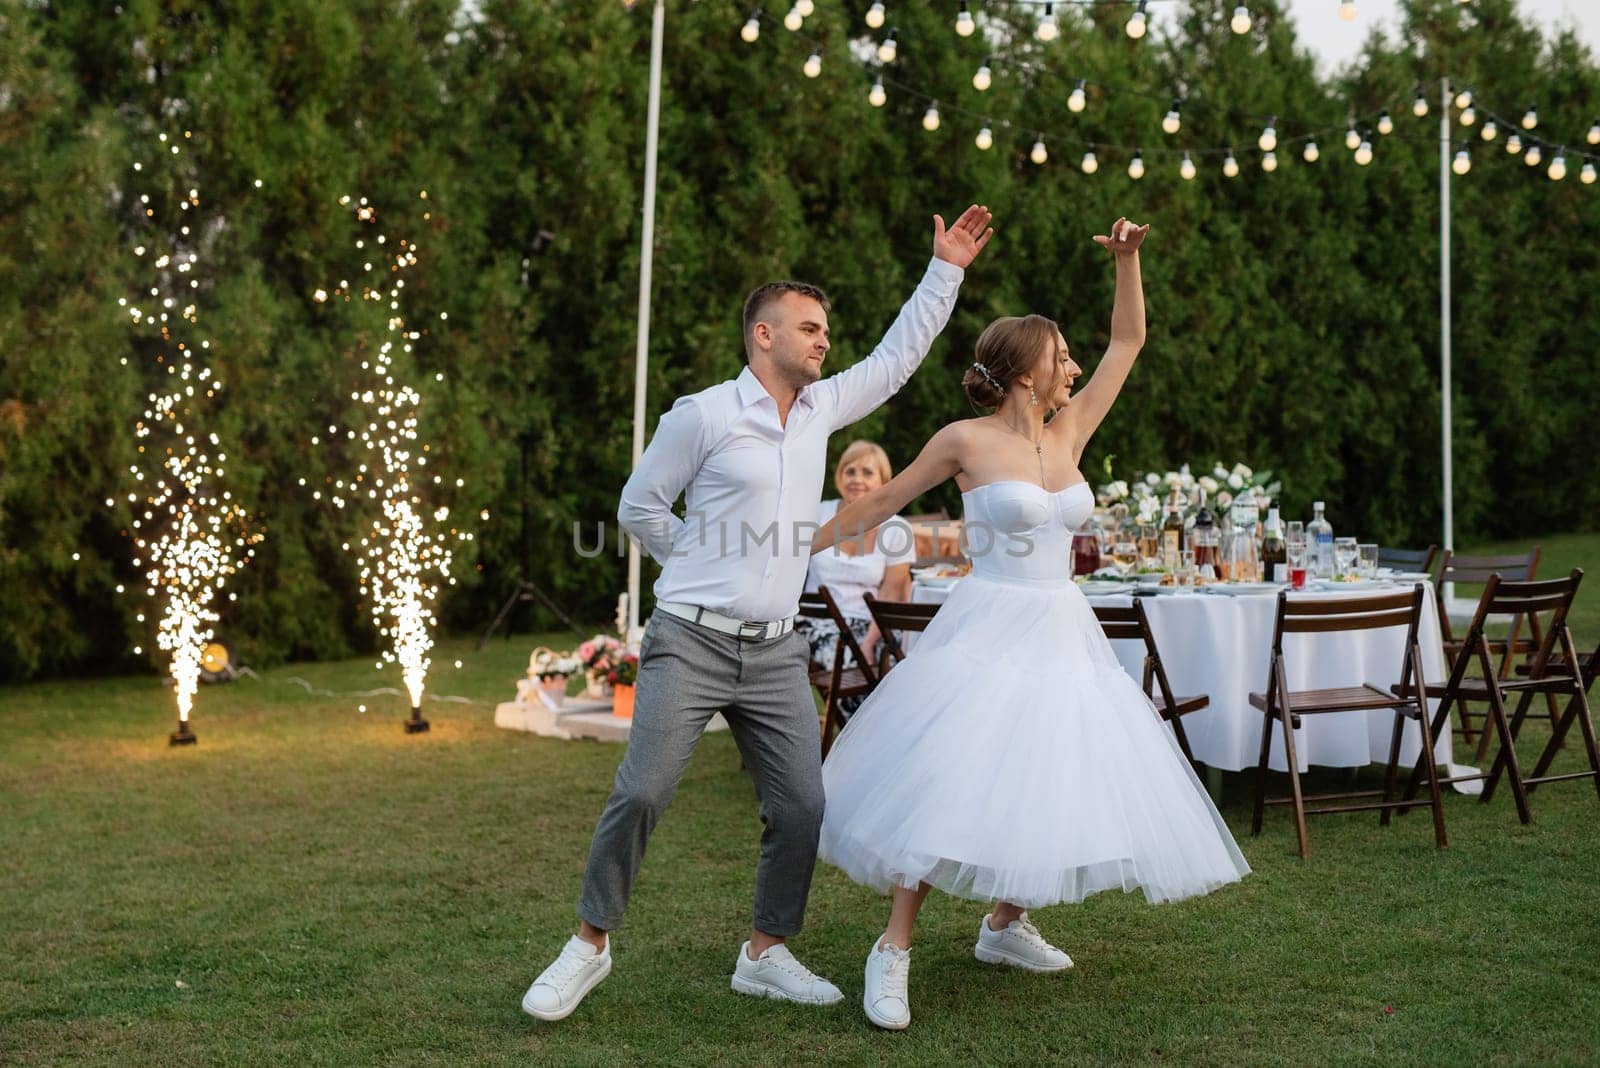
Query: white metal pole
1444, 309
647, 244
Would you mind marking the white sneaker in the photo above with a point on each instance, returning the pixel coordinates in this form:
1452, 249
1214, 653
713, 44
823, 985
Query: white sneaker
1020, 945
886, 1000
561, 986
777, 974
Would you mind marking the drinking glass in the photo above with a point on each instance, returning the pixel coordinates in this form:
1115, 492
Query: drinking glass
1344, 556
1125, 553
1185, 574
1367, 560
1149, 545
1294, 545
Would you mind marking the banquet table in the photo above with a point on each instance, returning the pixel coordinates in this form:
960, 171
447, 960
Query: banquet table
1220, 644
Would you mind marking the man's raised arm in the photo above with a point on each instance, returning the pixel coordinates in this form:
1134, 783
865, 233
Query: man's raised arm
855, 392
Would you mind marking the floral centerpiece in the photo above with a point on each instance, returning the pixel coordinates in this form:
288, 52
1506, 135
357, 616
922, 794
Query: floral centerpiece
1144, 496
599, 655
548, 671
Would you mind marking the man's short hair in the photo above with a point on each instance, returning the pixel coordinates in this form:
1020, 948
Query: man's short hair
755, 305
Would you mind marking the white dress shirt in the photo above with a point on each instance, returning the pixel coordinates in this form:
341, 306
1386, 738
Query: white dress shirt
751, 485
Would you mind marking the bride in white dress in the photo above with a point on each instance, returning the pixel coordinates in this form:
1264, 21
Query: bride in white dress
1009, 758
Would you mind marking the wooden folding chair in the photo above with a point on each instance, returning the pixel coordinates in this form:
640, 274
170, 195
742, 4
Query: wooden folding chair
1415, 561
836, 681
1475, 570
1556, 669
1284, 707
895, 618
1131, 624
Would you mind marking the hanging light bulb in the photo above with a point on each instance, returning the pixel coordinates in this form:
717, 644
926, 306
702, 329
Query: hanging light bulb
1347, 11
807, 8
876, 96
1047, 29
984, 140
1364, 152
1558, 167
964, 23
1594, 133
1136, 166
1136, 22
1089, 164
1077, 101
930, 118
1533, 155
1385, 124
1489, 131
813, 65
1186, 168
1587, 175
793, 20
1230, 167
1462, 163
1269, 136
888, 49
1468, 116
1419, 106
1240, 23
1172, 121
1530, 119
1463, 97
982, 79
1039, 153
751, 30
875, 15
1513, 144
1269, 161
1352, 138
1311, 153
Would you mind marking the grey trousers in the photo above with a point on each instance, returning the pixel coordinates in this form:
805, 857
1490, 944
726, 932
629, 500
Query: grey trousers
688, 673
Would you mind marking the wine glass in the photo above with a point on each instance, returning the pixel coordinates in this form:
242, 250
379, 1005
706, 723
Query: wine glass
1367, 560
1149, 544
1185, 575
1294, 547
1344, 556
1125, 552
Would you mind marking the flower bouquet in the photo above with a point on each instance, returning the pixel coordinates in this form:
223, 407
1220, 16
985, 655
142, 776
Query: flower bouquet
599, 655
551, 669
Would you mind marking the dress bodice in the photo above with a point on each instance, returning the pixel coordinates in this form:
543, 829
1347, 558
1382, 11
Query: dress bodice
1020, 532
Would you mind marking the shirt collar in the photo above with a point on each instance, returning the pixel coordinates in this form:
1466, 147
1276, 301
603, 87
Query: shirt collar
751, 391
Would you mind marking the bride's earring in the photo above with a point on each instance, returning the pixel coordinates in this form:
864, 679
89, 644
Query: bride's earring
1033, 398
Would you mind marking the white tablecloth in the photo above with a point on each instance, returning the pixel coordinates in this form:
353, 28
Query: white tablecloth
1221, 645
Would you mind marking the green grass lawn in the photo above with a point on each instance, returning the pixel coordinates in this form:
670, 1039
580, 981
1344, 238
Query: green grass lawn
1559, 554
311, 885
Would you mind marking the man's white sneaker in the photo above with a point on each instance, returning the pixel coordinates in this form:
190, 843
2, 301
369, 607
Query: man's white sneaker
887, 1001
777, 974
1020, 945
561, 986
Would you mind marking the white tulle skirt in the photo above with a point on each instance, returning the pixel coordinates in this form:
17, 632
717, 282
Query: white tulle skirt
1011, 758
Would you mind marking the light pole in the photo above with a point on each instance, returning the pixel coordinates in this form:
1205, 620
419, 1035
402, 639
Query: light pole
646, 252
1444, 308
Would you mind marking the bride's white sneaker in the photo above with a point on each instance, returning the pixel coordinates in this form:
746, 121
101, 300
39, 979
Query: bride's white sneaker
1020, 945
777, 974
887, 1000
561, 986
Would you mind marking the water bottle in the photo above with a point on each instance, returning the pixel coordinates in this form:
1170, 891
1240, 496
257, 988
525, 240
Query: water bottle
1319, 542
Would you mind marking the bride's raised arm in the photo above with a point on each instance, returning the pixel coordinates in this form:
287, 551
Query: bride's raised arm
1127, 334
938, 461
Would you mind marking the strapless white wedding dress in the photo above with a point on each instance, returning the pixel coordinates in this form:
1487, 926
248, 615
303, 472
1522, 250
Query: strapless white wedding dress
1010, 757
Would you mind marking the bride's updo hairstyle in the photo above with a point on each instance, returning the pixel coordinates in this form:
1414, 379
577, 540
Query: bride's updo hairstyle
1006, 348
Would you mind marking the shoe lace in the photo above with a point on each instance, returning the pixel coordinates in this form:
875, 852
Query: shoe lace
567, 967
1025, 928
895, 975
788, 962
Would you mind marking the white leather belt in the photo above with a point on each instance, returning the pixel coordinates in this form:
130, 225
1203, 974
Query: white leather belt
738, 628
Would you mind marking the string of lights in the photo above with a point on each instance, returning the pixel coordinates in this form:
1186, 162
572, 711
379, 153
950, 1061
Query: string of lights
1357, 131
187, 535
404, 555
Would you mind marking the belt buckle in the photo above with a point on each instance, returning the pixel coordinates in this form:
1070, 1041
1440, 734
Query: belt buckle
752, 631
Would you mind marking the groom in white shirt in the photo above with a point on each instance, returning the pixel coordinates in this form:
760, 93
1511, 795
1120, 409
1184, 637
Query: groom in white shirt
749, 456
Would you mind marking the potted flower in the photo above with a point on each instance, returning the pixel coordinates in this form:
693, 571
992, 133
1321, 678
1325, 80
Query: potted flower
552, 669
623, 675
599, 655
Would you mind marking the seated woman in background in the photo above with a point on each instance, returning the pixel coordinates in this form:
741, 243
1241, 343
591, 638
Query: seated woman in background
878, 562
